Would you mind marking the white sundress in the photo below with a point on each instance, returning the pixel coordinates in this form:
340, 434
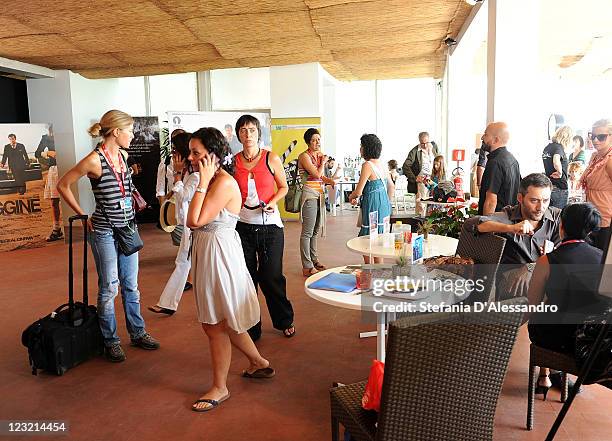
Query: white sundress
222, 285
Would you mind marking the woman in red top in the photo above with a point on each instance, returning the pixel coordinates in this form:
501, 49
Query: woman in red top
262, 182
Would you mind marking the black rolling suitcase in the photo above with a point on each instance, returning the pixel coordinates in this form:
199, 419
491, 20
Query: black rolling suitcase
69, 335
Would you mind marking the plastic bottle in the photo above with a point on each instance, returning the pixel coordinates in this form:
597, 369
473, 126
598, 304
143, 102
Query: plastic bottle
398, 233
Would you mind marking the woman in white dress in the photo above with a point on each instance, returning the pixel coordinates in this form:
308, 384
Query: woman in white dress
226, 299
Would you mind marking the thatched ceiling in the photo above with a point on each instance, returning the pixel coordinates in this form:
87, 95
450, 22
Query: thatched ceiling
352, 39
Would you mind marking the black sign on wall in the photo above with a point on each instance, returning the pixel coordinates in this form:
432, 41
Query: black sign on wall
144, 159
13, 101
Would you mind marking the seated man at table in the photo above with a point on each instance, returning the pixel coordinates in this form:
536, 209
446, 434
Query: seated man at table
529, 228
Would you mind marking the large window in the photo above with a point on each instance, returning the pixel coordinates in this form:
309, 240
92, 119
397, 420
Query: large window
131, 95
173, 92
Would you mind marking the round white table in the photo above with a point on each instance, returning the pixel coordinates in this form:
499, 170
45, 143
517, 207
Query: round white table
366, 301
435, 245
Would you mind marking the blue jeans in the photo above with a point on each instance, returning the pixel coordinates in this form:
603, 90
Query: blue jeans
114, 270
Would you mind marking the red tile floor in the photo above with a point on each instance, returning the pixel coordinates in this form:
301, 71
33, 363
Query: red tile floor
148, 397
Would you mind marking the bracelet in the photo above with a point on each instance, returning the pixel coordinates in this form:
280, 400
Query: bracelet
200, 189
176, 173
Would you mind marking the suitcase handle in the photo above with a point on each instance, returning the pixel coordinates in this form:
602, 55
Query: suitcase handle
71, 220
72, 316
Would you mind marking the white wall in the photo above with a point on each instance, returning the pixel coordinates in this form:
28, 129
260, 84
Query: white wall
295, 91
90, 100
240, 89
72, 104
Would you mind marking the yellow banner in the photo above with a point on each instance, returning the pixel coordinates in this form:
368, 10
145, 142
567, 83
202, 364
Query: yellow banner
284, 132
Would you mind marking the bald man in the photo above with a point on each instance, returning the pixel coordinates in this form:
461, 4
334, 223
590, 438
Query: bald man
502, 176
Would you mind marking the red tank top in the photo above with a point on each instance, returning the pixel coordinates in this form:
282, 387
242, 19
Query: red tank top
264, 178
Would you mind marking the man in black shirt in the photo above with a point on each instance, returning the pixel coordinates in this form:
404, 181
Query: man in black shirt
18, 161
555, 166
502, 175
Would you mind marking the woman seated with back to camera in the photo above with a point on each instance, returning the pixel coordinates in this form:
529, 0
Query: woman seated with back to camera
568, 277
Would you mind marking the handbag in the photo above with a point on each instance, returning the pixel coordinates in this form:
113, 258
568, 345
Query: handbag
295, 188
137, 200
373, 388
128, 239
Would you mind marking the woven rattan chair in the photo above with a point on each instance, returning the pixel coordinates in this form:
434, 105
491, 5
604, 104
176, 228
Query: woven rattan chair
443, 377
541, 357
486, 249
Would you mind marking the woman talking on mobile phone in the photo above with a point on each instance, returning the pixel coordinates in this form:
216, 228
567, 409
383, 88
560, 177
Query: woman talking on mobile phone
226, 300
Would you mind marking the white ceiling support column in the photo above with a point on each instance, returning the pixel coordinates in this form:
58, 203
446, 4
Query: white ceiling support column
491, 53
204, 91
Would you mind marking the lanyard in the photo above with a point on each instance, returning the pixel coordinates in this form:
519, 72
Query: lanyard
570, 241
110, 164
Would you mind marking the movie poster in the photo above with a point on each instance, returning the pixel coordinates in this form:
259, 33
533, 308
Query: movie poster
29, 203
143, 159
288, 143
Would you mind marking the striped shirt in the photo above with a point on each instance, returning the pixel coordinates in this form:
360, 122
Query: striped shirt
108, 195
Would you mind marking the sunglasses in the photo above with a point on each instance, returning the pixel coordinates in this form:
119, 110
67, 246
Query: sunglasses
601, 137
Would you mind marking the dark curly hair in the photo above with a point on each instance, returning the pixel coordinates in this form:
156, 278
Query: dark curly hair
214, 141
579, 220
308, 134
371, 146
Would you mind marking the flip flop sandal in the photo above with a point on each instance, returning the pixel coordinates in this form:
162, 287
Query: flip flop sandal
268, 372
289, 334
213, 404
161, 310
320, 266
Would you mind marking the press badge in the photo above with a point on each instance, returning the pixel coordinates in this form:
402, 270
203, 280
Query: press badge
126, 203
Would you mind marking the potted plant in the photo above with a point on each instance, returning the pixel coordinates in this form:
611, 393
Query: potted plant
448, 222
425, 228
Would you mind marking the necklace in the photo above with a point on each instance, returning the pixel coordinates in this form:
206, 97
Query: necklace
251, 159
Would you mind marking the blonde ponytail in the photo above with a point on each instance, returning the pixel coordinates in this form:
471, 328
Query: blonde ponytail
111, 120
94, 131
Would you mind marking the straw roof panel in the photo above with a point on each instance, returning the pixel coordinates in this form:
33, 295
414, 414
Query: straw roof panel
263, 48
315, 4
247, 27
421, 49
410, 34
27, 46
158, 69
141, 36
175, 55
353, 39
78, 61
281, 60
89, 15
381, 15
187, 9
10, 27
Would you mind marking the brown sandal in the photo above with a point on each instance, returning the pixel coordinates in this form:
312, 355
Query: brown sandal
307, 272
319, 266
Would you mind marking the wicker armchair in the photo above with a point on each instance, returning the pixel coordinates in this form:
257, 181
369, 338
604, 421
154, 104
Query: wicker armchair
443, 376
486, 249
539, 356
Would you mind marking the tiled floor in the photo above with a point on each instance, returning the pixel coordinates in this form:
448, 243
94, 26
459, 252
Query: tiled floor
148, 397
